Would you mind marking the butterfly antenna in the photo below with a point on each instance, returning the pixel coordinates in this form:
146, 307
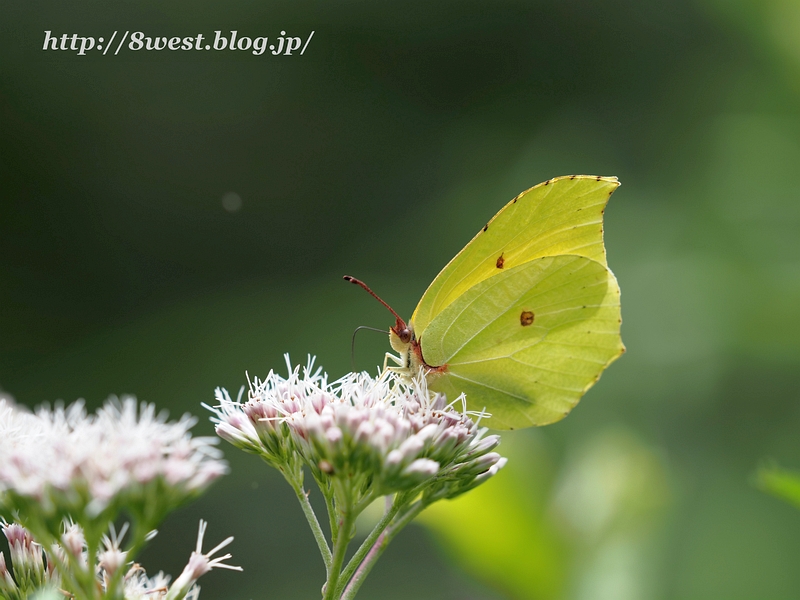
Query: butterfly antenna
374, 295
353, 344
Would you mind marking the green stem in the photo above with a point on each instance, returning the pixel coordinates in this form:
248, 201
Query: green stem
368, 543
377, 549
327, 493
91, 560
313, 522
339, 551
365, 502
67, 572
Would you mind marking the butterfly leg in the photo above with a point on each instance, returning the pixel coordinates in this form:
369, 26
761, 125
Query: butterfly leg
403, 370
395, 359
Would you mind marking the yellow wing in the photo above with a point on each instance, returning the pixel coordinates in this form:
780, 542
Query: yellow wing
527, 343
560, 216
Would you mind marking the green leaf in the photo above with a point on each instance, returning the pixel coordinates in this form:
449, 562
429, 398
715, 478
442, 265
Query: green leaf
781, 483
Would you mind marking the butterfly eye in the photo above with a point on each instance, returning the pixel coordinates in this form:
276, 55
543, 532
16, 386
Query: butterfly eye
405, 335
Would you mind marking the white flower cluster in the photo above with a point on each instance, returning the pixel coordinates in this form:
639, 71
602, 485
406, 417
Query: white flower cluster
68, 462
381, 436
34, 570
30, 567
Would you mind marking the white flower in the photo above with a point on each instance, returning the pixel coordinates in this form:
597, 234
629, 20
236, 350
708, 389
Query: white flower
138, 586
199, 564
30, 568
384, 433
7, 582
79, 464
68, 474
74, 543
112, 558
30, 573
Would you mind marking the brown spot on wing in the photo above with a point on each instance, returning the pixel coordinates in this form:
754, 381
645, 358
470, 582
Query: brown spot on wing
526, 318
500, 262
485, 227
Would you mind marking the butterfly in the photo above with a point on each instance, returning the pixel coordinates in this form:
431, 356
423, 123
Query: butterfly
526, 317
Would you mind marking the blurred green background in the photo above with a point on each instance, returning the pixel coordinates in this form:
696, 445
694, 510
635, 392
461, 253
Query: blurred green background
379, 153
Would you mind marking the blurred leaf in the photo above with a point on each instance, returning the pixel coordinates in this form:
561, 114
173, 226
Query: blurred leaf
613, 482
611, 495
781, 483
499, 533
585, 533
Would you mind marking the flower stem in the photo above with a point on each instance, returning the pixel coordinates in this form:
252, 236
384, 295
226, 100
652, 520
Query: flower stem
339, 551
369, 542
313, 522
327, 493
364, 503
377, 549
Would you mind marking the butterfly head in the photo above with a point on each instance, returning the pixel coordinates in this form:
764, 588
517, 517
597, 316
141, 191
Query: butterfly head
401, 336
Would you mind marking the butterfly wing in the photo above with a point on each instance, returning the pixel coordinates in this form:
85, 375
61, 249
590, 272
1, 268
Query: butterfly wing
560, 216
528, 342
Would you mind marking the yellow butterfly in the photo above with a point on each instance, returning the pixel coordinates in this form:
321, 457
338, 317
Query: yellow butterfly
527, 316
